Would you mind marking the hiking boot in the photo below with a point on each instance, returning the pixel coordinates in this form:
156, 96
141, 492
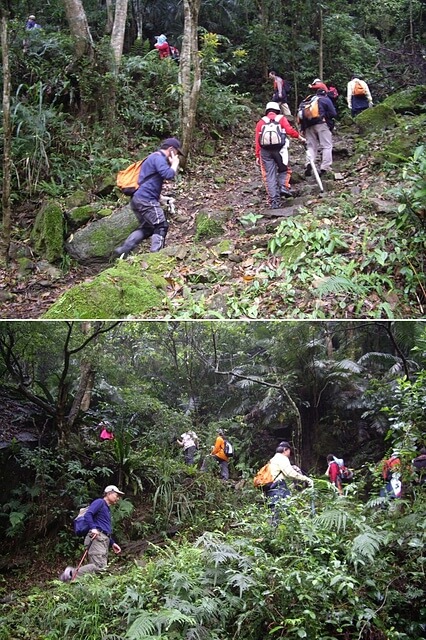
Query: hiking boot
276, 204
308, 171
120, 253
67, 575
287, 193
326, 173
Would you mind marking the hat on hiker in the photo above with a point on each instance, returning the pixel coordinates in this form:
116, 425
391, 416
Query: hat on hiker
172, 142
284, 445
321, 92
31, 17
316, 81
161, 39
272, 106
112, 488
220, 432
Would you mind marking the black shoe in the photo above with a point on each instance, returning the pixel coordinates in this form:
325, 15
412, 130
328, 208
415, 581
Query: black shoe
287, 193
276, 205
120, 253
308, 171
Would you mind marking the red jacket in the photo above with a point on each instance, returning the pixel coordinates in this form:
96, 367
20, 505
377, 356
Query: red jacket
163, 49
283, 122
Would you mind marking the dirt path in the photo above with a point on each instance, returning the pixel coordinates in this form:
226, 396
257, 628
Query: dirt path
246, 280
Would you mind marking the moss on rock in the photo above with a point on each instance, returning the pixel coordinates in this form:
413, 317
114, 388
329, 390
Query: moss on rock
411, 100
47, 235
376, 119
77, 199
129, 288
207, 226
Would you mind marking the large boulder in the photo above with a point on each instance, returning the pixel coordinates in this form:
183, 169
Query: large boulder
96, 241
410, 101
376, 119
131, 288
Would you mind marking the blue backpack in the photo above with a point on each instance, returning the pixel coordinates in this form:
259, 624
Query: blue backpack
81, 527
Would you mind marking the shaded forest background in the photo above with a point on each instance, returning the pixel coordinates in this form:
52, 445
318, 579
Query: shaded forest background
355, 389
79, 114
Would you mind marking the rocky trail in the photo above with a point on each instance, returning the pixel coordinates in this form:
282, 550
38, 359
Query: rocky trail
229, 256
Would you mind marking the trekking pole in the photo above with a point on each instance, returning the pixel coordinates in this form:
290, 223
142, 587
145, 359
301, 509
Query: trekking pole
86, 551
314, 169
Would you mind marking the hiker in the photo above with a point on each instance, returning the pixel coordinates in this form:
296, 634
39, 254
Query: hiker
358, 95
391, 473
107, 432
318, 132
281, 91
145, 203
98, 539
282, 471
32, 24
333, 473
273, 160
318, 84
162, 46
218, 452
189, 442
419, 464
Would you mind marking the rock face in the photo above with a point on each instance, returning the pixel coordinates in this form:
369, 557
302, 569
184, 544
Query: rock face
96, 241
47, 235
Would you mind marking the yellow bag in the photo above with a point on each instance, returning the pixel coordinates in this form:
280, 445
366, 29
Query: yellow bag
263, 477
127, 179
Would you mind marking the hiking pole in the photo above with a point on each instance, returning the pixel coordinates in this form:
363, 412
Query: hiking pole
314, 169
86, 551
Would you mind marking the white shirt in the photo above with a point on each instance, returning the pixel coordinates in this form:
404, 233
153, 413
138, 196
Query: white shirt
350, 89
189, 439
281, 469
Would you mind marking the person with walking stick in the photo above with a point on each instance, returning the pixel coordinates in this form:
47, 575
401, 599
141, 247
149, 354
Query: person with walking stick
98, 538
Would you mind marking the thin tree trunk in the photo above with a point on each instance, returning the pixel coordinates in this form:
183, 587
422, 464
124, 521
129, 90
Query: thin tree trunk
117, 36
190, 74
79, 28
321, 44
138, 13
7, 140
109, 17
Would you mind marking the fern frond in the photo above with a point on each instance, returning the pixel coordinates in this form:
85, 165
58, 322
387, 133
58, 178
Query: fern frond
367, 544
241, 581
337, 284
333, 519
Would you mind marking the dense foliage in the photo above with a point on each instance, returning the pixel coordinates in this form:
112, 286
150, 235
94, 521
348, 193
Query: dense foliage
201, 559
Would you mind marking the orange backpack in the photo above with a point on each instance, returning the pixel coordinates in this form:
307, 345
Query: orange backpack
358, 89
127, 179
263, 477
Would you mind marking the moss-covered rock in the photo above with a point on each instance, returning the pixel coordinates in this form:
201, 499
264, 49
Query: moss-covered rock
80, 215
411, 100
376, 119
47, 235
209, 223
133, 287
96, 241
77, 199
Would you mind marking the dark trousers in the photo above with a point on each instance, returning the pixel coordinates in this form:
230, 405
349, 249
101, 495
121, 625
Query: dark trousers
276, 496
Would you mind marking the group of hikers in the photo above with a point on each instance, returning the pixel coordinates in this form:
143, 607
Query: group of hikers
279, 475
315, 118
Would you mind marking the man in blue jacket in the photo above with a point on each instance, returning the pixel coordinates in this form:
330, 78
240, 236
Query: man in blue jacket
145, 203
99, 537
318, 134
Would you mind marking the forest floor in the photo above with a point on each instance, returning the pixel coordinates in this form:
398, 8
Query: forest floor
333, 262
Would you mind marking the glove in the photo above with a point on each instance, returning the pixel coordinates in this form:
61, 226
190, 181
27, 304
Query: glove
302, 139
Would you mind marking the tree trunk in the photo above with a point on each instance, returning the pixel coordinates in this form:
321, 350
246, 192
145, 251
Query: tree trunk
79, 28
7, 139
117, 36
190, 74
138, 13
321, 44
109, 17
